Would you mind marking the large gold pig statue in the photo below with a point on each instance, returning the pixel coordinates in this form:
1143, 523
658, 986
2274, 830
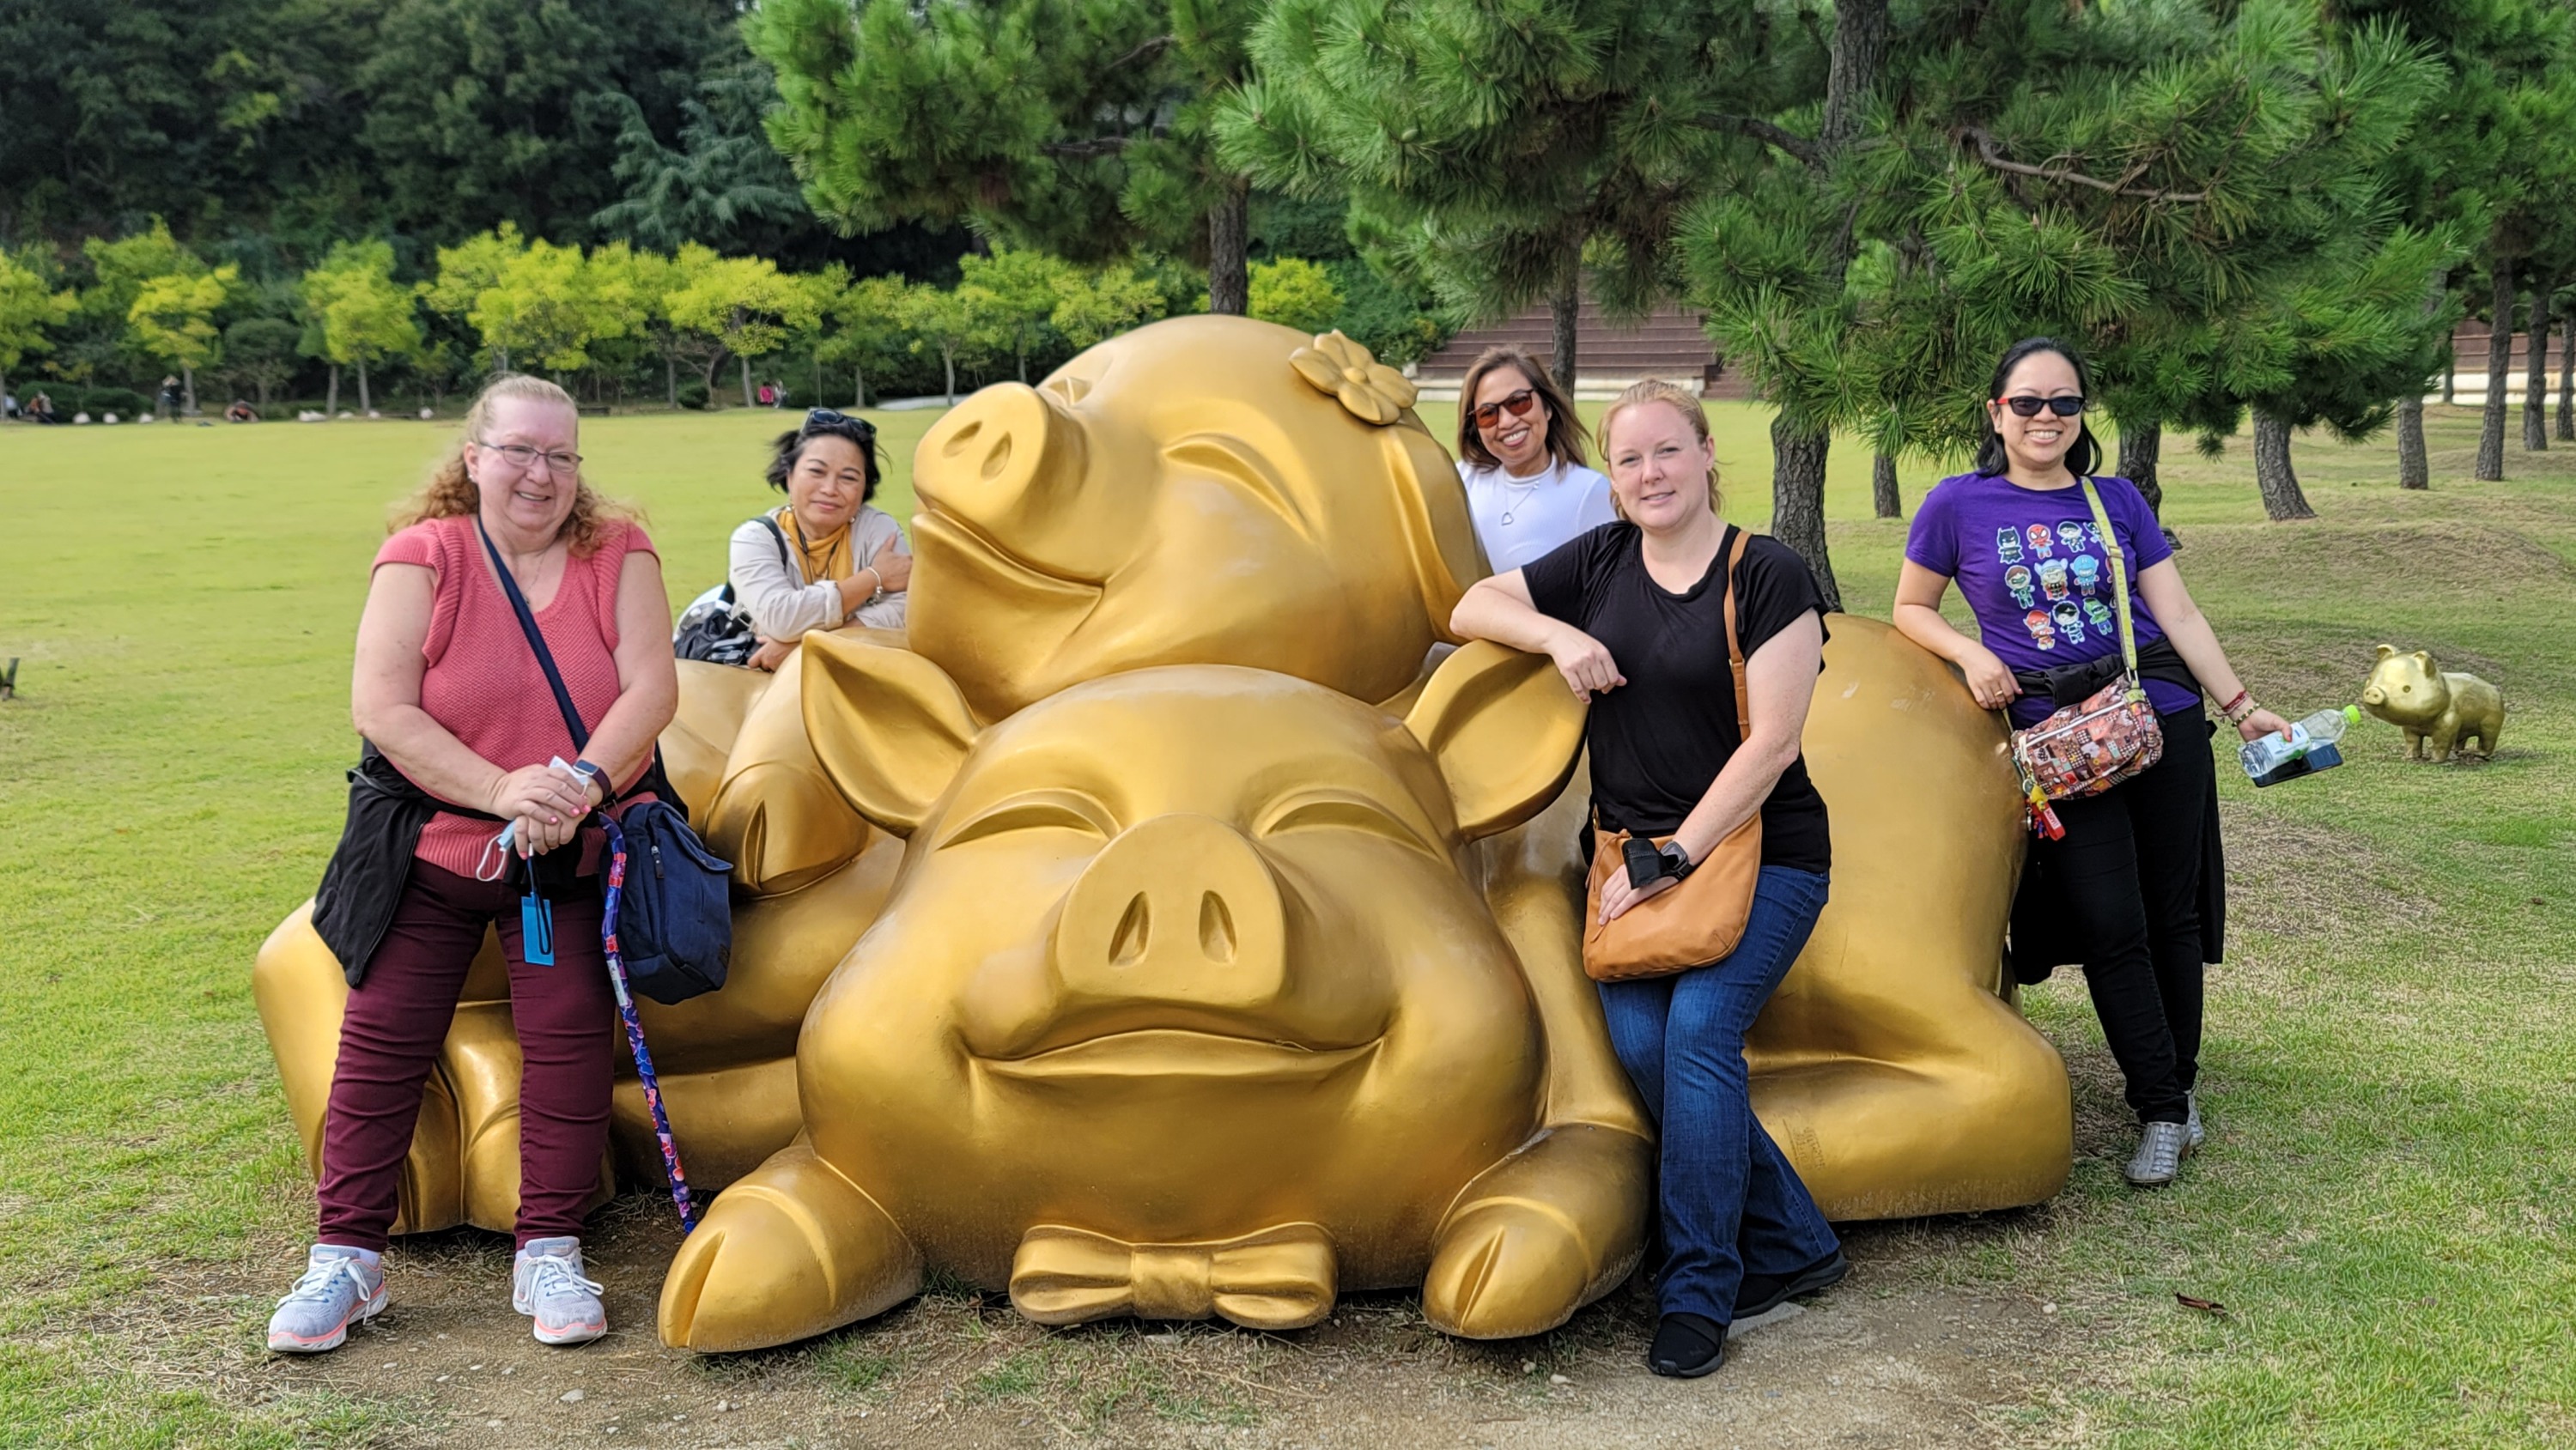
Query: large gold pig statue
2435, 709
1186, 1001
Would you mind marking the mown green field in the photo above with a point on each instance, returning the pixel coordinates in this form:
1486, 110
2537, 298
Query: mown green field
2388, 1209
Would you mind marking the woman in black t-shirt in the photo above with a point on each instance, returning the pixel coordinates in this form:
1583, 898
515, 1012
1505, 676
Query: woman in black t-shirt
1633, 613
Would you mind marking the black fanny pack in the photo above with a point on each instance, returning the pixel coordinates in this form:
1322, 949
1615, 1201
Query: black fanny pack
2073, 684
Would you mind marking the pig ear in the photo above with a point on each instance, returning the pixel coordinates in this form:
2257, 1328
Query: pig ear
889, 727
2424, 658
1505, 731
1431, 505
2386, 650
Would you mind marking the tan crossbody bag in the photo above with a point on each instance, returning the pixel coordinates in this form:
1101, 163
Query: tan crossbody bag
1701, 918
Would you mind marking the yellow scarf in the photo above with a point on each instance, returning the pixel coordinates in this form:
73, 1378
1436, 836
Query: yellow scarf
829, 557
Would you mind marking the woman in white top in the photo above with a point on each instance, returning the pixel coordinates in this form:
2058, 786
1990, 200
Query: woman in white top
826, 559
1520, 454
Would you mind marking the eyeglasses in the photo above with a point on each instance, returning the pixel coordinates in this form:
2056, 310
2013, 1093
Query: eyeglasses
523, 457
833, 420
1517, 404
2066, 407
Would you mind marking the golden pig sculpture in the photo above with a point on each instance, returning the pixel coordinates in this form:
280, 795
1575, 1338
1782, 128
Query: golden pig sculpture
1185, 1001
2441, 710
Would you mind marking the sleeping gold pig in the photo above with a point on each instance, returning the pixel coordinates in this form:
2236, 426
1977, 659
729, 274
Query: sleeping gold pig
1186, 1002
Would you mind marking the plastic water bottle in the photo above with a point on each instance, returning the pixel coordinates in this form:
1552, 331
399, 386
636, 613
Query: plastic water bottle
2310, 748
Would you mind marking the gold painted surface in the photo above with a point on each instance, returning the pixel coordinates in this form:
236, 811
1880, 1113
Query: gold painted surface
1178, 961
2435, 710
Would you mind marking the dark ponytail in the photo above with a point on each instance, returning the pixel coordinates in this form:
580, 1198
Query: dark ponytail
2085, 455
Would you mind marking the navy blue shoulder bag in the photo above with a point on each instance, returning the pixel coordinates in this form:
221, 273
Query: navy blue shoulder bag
675, 918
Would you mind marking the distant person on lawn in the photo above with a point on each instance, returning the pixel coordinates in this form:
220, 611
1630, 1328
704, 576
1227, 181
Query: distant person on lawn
461, 728
40, 409
241, 412
171, 398
825, 559
2128, 890
1520, 454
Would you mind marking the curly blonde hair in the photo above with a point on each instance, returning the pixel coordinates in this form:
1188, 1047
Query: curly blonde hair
450, 492
1682, 400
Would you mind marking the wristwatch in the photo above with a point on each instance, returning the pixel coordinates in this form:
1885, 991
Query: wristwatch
589, 775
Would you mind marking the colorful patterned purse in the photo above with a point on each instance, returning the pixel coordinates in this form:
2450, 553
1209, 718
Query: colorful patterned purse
2091, 746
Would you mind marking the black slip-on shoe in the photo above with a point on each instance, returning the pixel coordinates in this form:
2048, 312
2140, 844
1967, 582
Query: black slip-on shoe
1686, 1346
1762, 1293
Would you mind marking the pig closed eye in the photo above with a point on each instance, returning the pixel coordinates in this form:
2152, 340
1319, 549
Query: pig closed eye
1039, 813
1341, 812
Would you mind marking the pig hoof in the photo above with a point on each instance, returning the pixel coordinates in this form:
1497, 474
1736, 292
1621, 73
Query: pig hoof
787, 1253
1506, 1270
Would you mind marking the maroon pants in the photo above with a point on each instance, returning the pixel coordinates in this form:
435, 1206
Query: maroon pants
564, 1016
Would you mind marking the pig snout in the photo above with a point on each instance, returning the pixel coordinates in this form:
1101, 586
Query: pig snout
1007, 463
1178, 911
2374, 695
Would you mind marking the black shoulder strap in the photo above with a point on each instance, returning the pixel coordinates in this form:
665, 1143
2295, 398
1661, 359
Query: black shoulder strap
537, 642
780, 535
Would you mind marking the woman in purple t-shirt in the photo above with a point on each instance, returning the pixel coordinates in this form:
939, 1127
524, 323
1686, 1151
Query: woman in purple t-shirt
2021, 541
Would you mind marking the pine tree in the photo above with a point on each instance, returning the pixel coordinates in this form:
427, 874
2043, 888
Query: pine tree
1076, 126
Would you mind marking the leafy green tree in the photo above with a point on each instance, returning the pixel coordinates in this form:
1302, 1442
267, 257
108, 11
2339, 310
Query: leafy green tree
469, 269
173, 319
1080, 127
940, 321
1095, 307
724, 185
1009, 296
119, 271
864, 332
29, 309
365, 316
655, 280
746, 305
260, 351
1398, 325
1295, 293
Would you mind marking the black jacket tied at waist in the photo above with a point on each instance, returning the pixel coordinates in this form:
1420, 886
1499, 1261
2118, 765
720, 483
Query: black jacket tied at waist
364, 883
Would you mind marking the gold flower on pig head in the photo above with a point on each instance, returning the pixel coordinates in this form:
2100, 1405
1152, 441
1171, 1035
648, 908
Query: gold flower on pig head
1374, 392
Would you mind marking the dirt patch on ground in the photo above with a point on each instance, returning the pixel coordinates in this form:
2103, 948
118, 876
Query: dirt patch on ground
1896, 1356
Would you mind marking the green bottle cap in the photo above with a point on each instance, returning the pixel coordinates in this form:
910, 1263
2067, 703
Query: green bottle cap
2352, 714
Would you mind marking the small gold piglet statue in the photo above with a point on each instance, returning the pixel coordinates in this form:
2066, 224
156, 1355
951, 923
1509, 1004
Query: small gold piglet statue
2410, 692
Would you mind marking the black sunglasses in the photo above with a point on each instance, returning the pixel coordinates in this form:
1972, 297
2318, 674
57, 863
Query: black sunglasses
2066, 407
1517, 404
833, 420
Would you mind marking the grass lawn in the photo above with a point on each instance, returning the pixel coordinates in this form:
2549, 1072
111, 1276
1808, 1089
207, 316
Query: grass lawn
2387, 1209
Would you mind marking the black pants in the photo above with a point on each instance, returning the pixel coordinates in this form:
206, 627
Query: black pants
2128, 872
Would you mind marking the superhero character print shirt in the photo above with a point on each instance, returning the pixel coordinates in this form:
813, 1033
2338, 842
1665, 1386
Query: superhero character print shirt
1997, 541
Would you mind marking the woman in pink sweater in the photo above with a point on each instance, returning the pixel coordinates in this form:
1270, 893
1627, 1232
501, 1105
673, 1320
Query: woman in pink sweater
462, 731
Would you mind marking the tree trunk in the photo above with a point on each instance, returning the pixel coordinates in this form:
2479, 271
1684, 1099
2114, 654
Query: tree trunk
671, 380
2499, 374
331, 400
746, 381
2142, 445
2450, 375
2272, 472
948, 360
2567, 375
1798, 501
1565, 314
366, 400
1229, 245
1883, 497
1860, 44
187, 391
715, 364
858, 389
2413, 469
2535, 397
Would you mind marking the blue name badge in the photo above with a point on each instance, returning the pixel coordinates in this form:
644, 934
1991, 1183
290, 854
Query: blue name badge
537, 931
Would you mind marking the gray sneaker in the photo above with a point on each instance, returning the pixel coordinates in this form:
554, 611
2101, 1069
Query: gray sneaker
2160, 1153
338, 1289
2191, 1103
547, 1286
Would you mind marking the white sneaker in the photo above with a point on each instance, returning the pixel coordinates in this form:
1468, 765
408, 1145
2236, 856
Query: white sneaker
338, 1289
547, 1286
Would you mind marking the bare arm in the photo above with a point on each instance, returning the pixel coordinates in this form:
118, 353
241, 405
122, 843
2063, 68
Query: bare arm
648, 682
1918, 617
1498, 608
384, 703
2162, 587
1779, 684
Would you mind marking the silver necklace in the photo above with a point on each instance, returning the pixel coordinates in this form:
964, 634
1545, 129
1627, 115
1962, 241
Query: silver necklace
1512, 502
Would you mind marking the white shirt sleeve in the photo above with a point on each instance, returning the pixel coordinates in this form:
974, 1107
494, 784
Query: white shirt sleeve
1597, 508
868, 534
781, 604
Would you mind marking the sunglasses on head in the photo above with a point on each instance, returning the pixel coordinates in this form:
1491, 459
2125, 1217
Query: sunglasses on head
2029, 407
1517, 404
833, 420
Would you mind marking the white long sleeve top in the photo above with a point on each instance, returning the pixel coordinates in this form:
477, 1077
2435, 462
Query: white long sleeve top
783, 606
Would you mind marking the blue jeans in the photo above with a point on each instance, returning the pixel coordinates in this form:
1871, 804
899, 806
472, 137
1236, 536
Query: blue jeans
1731, 1203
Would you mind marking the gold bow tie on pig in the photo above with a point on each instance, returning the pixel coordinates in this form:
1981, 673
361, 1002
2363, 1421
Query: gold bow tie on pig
1279, 1278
